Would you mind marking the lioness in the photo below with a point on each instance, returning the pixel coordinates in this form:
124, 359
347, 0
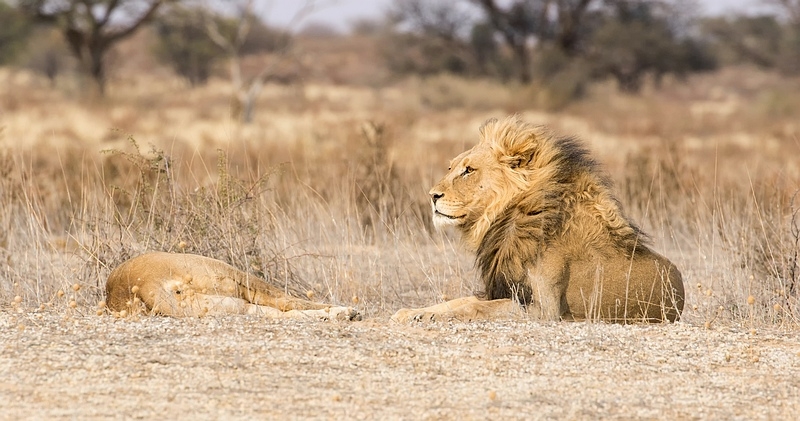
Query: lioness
174, 284
548, 234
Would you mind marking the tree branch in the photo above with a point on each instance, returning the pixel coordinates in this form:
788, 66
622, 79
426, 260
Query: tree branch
116, 36
243, 27
213, 32
109, 9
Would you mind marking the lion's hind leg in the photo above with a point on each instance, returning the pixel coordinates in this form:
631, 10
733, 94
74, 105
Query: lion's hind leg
461, 309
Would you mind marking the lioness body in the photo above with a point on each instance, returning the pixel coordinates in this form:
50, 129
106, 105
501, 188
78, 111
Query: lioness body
548, 233
179, 285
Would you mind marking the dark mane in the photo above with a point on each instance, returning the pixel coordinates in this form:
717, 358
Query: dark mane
545, 213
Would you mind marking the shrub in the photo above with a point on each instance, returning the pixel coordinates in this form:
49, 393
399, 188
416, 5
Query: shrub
14, 31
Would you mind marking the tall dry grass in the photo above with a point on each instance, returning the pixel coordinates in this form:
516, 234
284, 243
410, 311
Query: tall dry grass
326, 190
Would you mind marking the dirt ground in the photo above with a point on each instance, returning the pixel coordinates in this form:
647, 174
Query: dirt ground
56, 366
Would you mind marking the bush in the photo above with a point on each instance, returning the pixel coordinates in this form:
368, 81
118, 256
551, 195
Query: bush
407, 53
558, 78
641, 40
14, 31
231, 219
184, 45
48, 54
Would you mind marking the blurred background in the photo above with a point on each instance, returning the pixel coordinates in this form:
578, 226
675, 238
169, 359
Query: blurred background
298, 139
560, 47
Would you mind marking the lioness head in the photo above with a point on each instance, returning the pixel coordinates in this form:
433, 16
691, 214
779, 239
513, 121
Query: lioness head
482, 181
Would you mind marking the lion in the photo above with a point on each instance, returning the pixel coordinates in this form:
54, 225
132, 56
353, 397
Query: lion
180, 285
549, 236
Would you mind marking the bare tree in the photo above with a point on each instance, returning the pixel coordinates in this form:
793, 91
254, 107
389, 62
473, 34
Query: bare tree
93, 27
525, 21
246, 91
429, 36
571, 15
442, 19
517, 25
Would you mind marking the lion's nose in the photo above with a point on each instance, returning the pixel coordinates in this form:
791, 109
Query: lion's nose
436, 196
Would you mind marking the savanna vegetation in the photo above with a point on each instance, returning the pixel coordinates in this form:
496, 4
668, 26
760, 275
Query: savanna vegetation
304, 154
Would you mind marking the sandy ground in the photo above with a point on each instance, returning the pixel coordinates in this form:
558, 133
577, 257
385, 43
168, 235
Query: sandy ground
238, 367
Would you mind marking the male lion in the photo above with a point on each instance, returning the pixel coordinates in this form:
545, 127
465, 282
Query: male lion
548, 234
190, 285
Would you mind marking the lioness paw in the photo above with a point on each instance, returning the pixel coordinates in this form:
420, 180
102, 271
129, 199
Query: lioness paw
403, 315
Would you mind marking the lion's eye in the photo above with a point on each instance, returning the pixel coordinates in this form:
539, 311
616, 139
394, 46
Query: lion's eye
468, 170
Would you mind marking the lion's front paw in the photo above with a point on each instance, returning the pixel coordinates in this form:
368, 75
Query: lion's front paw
419, 315
343, 313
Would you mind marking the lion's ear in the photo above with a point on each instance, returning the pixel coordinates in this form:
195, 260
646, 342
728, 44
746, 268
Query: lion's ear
519, 160
520, 153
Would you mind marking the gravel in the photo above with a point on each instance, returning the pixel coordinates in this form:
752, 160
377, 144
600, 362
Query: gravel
72, 366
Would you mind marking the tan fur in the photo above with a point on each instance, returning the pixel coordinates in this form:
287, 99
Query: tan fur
181, 285
548, 233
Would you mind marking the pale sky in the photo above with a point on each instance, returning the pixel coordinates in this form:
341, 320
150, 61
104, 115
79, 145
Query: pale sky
337, 13
340, 13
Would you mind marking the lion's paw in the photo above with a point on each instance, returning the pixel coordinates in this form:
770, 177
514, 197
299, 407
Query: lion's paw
343, 314
407, 315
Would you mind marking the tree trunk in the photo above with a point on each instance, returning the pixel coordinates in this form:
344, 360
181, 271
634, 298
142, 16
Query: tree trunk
523, 63
250, 100
97, 69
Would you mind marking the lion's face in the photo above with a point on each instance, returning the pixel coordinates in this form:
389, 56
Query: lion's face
464, 194
459, 197
484, 180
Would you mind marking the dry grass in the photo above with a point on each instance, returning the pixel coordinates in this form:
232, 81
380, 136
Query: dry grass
326, 190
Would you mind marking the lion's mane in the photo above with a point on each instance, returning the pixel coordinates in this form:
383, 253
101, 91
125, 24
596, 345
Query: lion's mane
545, 179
